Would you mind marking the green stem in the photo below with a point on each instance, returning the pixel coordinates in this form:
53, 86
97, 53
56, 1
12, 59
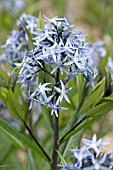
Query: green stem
56, 134
46, 71
35, 140
55, 147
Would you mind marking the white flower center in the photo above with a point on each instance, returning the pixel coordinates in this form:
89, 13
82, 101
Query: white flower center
97, 166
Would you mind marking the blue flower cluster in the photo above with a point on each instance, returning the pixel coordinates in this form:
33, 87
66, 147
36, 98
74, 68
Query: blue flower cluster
13, 5
97, 53
62, 47
58, 48
17, 45
29, 23
89, 157
42, 96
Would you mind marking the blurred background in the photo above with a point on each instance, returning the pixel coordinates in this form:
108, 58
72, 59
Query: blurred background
93, 17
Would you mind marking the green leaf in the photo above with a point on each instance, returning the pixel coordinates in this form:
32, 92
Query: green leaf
4, 76
31, 162
45, 113
109, 97
2, 83
14, 106
14, 77
21, 138
100, 109
3, 94
73, 141
40, 26
82, 126
68, 145
11, 137
92, 115
93, 98
61, 157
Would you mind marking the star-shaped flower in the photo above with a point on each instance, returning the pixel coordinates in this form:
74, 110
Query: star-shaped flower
79, 155
55, 107
63, 92
94, 144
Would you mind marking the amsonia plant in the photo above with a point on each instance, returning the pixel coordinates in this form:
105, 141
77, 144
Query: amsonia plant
56, 91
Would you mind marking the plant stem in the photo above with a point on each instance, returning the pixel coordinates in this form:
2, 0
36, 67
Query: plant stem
35, 140
55, 147
46, 71
56, 134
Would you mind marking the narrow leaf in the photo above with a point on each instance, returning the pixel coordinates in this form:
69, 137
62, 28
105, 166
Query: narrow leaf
3, 94
22, 138
31, 162
2, 83
40, 26
14, 77
4, 76
92, 115
14, 106
82, 126
94, 97
100, 109
61, 157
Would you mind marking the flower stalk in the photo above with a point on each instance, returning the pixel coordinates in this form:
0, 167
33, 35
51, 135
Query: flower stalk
56, 133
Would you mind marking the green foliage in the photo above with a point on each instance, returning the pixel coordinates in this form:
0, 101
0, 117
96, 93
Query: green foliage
95, 15
40, 26
31, 162
20, 137
13, 78
60, 6
88, 105
14, 106
3, 94
61, 158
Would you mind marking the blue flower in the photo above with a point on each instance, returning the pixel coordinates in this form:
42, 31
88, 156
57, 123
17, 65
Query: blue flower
89, 157
13, 5
28, 22
15, 47
63, 92
94, 144
56, 107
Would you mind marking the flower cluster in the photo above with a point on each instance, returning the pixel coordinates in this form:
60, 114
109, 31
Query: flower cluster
89, 157
17, 46
12, 5
46, 96
28, 22
58, 48
97, 52
67, 47
61, 47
